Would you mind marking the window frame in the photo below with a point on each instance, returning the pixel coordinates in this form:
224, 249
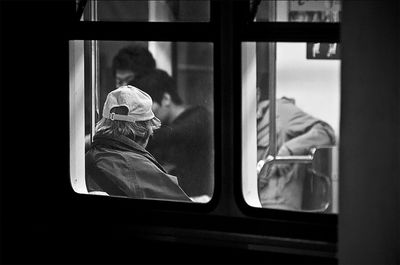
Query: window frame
227, 29
249, 31
94, 31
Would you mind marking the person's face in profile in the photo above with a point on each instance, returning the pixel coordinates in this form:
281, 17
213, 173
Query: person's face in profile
162, 111
123, 77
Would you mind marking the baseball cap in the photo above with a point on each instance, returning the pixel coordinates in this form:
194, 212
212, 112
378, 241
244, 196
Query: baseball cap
137, 101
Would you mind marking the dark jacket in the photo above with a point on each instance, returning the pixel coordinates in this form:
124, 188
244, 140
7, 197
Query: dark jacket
121, 167
186, 146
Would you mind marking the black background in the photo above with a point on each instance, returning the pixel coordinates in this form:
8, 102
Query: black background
42, 221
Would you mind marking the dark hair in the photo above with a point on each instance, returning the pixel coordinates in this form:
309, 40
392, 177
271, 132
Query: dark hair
156, 83
136, 58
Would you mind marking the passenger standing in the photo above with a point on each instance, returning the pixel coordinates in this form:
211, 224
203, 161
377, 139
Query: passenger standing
117, 162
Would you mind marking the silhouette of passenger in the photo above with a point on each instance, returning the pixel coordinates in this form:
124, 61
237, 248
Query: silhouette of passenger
184, 144
117, 162
297, 132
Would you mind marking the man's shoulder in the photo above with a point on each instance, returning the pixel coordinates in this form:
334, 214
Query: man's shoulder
287, 105
128, 163
194, 113
198, 111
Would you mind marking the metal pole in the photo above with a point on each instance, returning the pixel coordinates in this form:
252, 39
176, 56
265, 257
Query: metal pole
272, 100
94, 70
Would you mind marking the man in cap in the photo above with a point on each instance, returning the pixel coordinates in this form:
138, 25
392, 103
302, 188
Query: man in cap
117, 162
131, 63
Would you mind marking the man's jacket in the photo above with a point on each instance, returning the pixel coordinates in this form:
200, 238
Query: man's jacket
121, 167
296, 131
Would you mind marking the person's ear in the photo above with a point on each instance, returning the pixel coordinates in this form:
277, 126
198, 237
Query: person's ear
166, 100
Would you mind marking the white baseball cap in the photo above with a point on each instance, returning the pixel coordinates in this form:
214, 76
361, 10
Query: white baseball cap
138, 103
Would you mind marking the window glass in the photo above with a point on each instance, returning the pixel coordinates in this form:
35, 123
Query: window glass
174, 161
297, 11
291, 163
148, 11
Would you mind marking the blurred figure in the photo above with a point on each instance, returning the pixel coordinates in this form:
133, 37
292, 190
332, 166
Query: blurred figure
281, 185
184, 144
117, 162
132, 63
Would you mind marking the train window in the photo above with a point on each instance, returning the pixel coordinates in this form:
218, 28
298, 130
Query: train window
149, 11
292, 163
178, 161
327, 11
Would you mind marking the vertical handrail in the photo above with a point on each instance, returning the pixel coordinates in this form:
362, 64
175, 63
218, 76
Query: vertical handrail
94, 71
272, 109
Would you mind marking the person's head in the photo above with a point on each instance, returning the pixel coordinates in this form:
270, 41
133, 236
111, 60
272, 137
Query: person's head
162, 88
128, 112
131, 63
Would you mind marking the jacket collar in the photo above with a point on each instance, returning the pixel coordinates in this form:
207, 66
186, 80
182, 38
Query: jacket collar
124, 143
118, 141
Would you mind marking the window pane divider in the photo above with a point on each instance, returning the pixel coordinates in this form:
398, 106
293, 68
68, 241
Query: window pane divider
157, 31
290, 32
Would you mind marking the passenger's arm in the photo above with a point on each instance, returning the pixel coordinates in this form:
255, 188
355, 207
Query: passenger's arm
319, 134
